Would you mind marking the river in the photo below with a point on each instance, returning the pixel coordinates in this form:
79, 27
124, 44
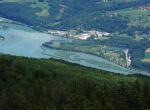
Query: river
24, 41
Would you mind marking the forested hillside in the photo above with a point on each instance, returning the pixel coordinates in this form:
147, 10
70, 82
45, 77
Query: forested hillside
31, 84
68, 14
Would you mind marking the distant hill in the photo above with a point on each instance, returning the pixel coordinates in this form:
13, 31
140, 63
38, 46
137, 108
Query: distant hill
31, 84
68, 14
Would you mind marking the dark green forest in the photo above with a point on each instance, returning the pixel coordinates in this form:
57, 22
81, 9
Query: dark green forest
38, 84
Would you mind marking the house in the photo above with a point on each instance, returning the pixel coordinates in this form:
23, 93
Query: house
144, 7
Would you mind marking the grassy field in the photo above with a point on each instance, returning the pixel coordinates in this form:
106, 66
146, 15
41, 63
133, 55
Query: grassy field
136, 16
147, 56
112, 54
43, 6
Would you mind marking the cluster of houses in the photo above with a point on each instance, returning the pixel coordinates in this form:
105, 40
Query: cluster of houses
2, 19
96, 34
83, 35
144, 7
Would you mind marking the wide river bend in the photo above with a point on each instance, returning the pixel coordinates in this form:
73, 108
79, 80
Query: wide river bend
24, 41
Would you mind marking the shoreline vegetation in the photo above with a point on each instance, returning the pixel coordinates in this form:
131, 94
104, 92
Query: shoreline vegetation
57, 48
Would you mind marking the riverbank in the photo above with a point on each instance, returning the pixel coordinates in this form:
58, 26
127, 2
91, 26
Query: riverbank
90, 47
23, 41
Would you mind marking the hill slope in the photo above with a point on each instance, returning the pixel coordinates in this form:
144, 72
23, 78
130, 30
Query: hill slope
66, 14
31, 84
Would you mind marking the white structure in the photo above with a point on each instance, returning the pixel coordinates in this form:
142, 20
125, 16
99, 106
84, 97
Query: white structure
128, 58
80, 35
84, 36
98, 33
88, 34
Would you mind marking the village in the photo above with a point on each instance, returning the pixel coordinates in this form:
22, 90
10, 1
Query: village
79, 34
4, 20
